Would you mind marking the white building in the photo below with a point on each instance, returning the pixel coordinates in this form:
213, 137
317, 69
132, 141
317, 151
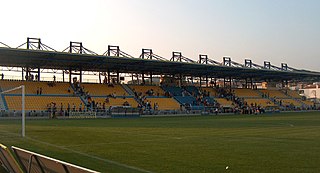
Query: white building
311, 91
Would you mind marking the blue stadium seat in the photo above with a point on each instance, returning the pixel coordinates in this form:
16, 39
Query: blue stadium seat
175, 91
192, 90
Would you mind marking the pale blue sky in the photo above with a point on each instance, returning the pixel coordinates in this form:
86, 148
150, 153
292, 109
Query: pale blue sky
274, 30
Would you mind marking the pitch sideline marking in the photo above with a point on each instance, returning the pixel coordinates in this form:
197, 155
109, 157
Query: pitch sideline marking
288, 124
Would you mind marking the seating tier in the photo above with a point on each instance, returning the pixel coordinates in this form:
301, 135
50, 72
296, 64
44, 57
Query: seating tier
164, 103
308, 103
145, 88
260, 102
224, 102
41, 102
116, 101
246, 93
186, 100
293, 94
175, 91
212, 92
104, 90
289, 102
274, 93
32, 87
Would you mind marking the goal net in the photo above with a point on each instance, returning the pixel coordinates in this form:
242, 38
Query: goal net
22, 103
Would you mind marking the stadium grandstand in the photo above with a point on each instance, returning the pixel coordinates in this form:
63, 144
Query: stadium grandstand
148, 84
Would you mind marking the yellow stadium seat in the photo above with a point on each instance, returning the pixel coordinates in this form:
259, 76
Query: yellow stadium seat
260, 102
274, 93
308, 103
288, 102
246, 93
31, 87
212, 91
224, 102
144, 88
104, 89
293, 94
164, 103
39, 103
116, 101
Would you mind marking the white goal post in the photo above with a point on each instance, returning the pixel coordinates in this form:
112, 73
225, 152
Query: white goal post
22, 87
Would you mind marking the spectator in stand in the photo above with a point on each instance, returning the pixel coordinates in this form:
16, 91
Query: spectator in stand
93, 104
155, 106
126, 103
216, 111
114, 95
68, 108
80, 107
104, 106
140, 108
78, 85
2, 76
135, 93
73, 107
53, 110
107, 100
147, 105
87, 94
61, 107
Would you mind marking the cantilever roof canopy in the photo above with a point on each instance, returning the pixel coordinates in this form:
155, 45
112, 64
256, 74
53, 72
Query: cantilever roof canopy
85, 62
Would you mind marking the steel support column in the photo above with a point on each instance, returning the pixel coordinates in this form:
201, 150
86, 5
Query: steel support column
143, 81
80, 76
109, 77
118, 77
38, 74
62, 75
207, 81
70, 75
22, 73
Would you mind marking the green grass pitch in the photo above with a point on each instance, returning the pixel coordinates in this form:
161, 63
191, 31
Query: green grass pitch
286, 142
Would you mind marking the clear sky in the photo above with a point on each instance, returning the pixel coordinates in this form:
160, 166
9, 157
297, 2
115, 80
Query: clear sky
274, 30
